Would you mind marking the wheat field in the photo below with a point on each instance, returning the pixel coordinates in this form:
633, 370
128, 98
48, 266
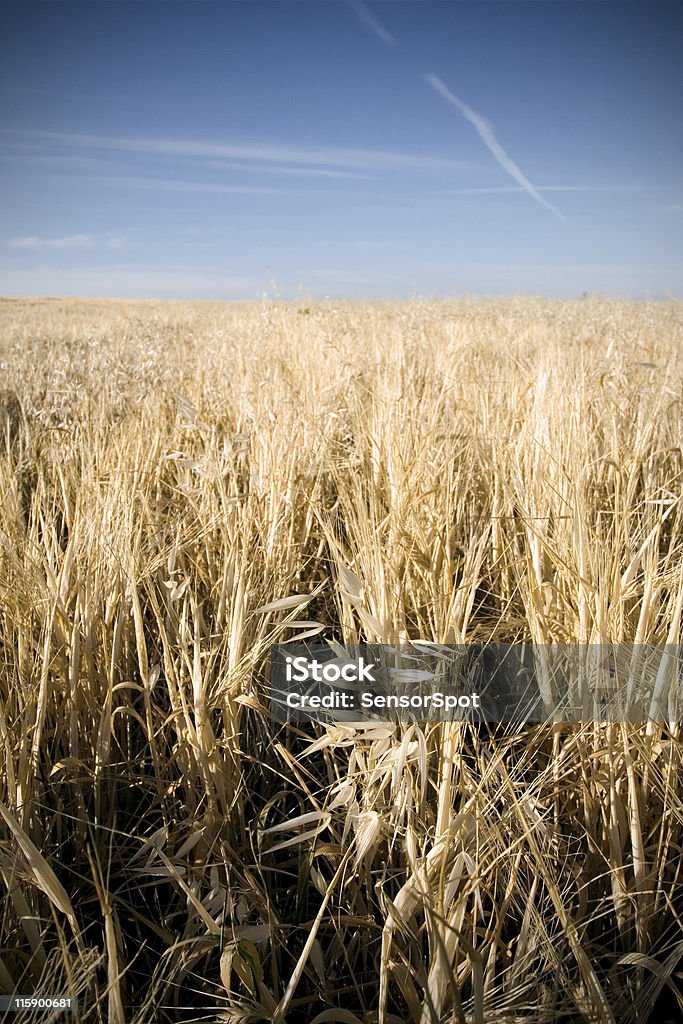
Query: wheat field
184, 485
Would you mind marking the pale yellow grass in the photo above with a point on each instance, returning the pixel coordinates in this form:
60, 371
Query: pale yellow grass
181, 485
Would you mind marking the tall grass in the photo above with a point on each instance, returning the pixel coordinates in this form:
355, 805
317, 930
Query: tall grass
182, 486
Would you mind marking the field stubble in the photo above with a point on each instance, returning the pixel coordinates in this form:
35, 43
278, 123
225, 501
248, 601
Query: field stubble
182, 485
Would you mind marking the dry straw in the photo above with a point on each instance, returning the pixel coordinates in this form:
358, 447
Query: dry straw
182, 486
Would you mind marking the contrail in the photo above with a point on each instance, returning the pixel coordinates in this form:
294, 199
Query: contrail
484, 129
373, 23
487, 136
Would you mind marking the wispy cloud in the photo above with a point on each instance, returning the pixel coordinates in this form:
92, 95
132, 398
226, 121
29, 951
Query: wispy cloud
486, 134
331, 158
59, 161
290, 172
81, 241
176, 185
372, 23
68, 242
493, 189
91, 163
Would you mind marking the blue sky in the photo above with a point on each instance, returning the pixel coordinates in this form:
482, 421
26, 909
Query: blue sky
227, 150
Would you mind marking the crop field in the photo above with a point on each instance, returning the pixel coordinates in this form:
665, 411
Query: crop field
183, 485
